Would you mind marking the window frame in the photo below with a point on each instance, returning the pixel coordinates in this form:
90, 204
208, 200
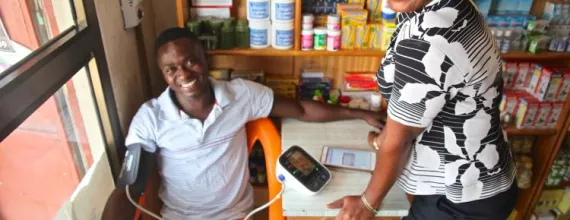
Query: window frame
26, 85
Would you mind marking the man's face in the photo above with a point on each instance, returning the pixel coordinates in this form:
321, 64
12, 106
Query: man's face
407, 5
184, 67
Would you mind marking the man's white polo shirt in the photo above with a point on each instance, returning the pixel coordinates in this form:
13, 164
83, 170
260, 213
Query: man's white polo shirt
203, 167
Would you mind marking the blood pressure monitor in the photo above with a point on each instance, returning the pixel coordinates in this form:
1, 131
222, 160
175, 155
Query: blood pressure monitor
302, 172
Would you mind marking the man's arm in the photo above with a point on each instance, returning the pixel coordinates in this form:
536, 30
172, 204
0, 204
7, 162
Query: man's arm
312, 111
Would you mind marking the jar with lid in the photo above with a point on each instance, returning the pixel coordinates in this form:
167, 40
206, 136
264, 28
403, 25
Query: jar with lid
242, 34
227, 36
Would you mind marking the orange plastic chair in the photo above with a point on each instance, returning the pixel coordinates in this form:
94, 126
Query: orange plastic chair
264, 131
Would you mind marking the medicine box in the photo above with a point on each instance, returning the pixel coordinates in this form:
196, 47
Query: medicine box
375, 10
375, 39
526, 112
340, 7
362, 37
564, 88
276, 81
535, 77
549, 199
220, 74
347, 38
564, 205
548, 85
511, 102
511, 69
523, 76
354, 17
554, 115
542, 115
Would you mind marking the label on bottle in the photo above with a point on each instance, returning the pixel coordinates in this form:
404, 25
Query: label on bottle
333, 43
258, 10
284, 38
258, 37
284, 11
307, 41
320, 41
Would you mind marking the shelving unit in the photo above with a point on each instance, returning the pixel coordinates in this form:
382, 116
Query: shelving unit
335, 64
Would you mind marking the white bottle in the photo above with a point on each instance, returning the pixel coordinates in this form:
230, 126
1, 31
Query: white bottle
499, 38
506, 42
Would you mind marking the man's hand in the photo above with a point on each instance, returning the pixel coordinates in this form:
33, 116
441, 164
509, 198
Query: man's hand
374, 119
352, 208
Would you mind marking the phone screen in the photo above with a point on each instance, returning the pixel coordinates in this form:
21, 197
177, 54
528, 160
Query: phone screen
359, 159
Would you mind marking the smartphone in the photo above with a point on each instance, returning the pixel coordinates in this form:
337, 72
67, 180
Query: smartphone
348, 158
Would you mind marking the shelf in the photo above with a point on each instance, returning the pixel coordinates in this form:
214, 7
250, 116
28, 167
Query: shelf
513, 130
371, 53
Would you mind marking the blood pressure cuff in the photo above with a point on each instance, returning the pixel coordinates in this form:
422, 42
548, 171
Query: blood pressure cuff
136, 168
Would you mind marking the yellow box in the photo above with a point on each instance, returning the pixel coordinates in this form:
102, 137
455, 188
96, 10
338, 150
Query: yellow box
354, 17
348, 35
356, 2
387, 32
375, 39
564, 205
340, 7
375, 10
362, 37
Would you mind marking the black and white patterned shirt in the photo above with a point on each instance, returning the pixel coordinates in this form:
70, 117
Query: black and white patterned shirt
442, 72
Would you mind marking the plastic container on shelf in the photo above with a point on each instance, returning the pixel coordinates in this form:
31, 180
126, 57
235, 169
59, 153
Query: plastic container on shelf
308, 20
333, 40
259, 34
320, 38
307, 39
227, 36
282, 10
258, 10
333, 22
242, 34
282, 35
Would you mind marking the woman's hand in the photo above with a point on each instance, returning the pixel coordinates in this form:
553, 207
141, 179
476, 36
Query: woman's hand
352, 208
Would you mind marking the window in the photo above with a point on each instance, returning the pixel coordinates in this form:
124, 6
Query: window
43, 161
29, 24
59, 124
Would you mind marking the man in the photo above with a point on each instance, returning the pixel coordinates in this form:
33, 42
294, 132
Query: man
442, 142
197, 125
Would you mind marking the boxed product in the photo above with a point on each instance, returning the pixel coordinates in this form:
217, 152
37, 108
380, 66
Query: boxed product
542, 115
535, 77
375, 36
356, 2
564, 205
510, 102
564, 88
362, 37
360, 81
354, 17
554, 115
220, 74
279, 81
509, 75
549, 199
348, 35
548, 85
526, 112
523, 76
387, 32
253, 75
340, 7
375, 10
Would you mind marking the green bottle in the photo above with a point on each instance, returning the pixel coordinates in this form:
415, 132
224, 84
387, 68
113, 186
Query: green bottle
227, 37
242, 34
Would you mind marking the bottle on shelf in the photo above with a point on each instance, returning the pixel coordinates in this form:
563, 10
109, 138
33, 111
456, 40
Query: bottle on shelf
499, 38
506, 41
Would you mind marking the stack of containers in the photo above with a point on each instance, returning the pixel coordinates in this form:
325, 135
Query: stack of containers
271, 23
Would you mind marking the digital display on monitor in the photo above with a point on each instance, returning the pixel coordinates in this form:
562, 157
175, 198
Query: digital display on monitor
301, 162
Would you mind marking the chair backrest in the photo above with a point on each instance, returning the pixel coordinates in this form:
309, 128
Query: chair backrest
264, 131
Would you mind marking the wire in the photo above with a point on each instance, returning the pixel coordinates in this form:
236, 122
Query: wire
281, 179
140, 207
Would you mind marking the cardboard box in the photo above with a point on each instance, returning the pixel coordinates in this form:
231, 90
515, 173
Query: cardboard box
541, 120
354, 17
523, 76
220, 74
511, 102
509, 75
340, 7
564, 88
564, 205
362, 37
375, 40
526, 112
549, 199
375, 10
554, 115
274, 81
535, 77
347, 38
549, 83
